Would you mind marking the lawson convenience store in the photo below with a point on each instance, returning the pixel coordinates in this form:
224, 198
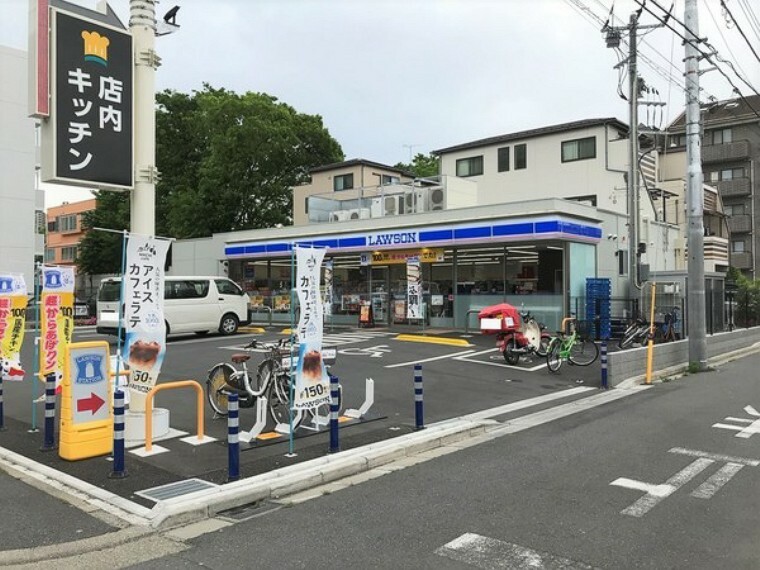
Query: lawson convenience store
534, 254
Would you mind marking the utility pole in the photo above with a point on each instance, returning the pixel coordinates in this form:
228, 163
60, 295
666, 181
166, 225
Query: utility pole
633, 157
695, 197
142, 25
613, 35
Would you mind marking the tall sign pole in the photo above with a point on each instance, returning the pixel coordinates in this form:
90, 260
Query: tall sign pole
142, 25
695, 197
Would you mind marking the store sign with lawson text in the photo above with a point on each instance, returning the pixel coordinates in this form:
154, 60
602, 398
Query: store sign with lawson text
392, 238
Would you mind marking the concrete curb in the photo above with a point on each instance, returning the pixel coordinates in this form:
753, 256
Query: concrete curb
278, 483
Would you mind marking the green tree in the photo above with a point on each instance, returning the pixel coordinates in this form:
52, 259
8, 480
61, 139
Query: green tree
422, 165
228, 161
100, 252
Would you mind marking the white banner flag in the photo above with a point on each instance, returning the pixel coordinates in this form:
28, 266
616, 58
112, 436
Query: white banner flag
312, 382
413, 288
144, 325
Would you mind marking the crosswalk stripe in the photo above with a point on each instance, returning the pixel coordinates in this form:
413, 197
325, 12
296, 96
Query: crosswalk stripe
490, 553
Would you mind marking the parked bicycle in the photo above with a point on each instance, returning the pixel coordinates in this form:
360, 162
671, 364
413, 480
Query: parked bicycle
638, 331
570, 346
272, 380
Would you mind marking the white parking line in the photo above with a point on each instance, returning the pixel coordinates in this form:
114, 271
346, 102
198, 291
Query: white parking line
455, 355
469, 358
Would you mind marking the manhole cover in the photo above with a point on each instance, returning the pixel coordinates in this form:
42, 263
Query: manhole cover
176, 489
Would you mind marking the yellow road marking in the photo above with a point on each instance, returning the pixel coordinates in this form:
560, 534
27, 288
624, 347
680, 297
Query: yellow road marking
268, 435
251, 329
433, 339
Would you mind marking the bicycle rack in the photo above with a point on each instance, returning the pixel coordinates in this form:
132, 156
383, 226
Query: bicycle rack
369, 399
261, 421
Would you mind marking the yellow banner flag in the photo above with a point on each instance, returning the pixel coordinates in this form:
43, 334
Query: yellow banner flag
56, 320
12, 320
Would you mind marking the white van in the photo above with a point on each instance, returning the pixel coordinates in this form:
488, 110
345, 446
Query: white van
191, 304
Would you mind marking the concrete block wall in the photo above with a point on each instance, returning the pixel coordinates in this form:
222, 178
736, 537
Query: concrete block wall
631, 363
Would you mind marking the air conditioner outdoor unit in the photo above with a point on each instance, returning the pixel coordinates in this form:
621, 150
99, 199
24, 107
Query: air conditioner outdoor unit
416, 201
437, 199
359, 214
394, 205
339, 216
376, 208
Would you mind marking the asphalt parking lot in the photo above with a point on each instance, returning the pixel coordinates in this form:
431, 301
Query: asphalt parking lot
457, 379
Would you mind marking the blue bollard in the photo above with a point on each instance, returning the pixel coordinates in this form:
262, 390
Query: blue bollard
48, 443
233, 438
334, 406
418, 422
2, 419
604, 365
119, 470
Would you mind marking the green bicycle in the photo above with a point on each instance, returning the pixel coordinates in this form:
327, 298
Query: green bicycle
570, 346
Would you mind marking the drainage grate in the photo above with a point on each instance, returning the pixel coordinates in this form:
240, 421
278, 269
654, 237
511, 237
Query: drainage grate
176, 489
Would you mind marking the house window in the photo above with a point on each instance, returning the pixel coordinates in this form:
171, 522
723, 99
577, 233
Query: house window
504, 159
68, 253
678, 140
49, 254
579, 149
737, 246
734, 209
521, 156
343, 182
722, 136
385, 180
472, 166
66, 223
306, 205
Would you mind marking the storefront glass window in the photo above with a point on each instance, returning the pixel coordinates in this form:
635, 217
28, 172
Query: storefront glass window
350, 289
440, 300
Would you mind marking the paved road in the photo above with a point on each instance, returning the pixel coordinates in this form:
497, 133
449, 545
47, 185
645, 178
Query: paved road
648, 481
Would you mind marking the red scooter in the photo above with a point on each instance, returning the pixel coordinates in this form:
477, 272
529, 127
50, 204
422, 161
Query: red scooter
516, 333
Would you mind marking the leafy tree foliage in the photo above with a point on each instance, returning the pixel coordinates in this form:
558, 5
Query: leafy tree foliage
422, 165
100, 252
227, 163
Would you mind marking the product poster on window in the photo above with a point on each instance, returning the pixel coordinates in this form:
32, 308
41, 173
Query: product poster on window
328, 298
144, 325
413, 288
56, 320
312, 382
13, 300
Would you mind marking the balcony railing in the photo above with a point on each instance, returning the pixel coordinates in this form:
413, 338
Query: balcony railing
728, 151
734, 188
419, 196
741, 223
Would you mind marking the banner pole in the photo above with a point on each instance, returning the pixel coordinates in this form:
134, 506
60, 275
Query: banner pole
36, 364
121, 304
292, 347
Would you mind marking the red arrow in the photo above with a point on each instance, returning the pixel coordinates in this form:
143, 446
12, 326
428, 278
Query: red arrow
93, 403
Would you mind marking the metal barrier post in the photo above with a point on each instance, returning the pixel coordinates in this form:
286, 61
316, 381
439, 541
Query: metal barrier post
119, 470
233, 441
334, 404
170, 385
48, 443
418, 422
605, 385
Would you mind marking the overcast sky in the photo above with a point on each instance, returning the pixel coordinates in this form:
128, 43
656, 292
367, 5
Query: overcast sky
389, 74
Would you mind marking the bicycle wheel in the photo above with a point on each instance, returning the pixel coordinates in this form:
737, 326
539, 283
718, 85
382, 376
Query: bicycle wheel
216, 382
583, 352
510, 354
279, 400
629, 336
553, 358
543, 345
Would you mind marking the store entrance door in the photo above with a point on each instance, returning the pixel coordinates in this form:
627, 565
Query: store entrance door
379, 286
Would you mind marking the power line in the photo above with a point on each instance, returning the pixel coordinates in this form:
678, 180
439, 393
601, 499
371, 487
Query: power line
709, 11
739, 29
705, 55
754, 24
